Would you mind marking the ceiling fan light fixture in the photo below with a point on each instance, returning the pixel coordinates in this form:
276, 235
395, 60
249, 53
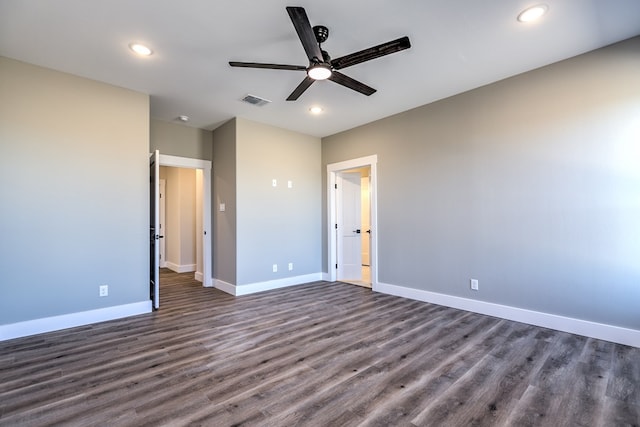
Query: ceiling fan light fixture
319, 72
533, 13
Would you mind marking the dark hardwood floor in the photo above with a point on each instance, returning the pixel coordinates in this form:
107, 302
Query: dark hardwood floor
321, 354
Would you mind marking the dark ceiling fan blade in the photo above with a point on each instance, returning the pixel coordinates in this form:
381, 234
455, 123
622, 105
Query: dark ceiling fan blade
305, 33
268, 66
371, 53
304, 85
347, 81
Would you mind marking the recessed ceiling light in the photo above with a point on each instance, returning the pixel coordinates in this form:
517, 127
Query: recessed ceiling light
533, 13
183, 119
316, 110
140, 49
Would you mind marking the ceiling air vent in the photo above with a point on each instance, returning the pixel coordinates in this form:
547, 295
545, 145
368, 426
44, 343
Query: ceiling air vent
255, 100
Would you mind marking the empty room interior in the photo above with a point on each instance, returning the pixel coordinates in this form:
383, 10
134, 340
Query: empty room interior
416, 213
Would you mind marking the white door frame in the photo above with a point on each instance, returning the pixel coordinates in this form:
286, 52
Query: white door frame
154, 220
332, 203
205, 166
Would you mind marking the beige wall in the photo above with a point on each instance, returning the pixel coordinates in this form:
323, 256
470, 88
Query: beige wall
180, 218
179, 140
75, 194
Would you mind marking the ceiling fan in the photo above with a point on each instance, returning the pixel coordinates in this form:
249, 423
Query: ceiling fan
321, 66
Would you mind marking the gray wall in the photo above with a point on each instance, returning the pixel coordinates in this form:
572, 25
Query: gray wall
224, 191
180, 140
277, 225
75, 184
265, 225
529, 185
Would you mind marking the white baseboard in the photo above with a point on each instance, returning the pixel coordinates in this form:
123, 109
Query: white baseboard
325, 276
187, 268
252, 288
224, 286
64, 321
198, 276
566, 324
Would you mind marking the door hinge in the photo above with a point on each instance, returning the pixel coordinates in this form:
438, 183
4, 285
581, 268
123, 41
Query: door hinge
336, 226
336, 266
335, 186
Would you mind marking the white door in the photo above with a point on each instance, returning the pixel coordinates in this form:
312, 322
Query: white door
349, 227
154, 221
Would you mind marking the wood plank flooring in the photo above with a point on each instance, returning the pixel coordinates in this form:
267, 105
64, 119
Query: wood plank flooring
320, 354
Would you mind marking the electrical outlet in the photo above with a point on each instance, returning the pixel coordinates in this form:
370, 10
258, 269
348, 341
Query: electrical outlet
275, 268
290, 266
474, 284
104, 290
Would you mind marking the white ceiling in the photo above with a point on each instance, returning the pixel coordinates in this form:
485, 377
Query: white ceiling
457, 45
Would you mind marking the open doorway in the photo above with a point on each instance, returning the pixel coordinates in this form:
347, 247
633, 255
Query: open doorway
202, 211
161, 225
354, 226
352, 240
180, 221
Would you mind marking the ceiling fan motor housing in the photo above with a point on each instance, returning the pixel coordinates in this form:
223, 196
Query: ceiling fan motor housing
321, 32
